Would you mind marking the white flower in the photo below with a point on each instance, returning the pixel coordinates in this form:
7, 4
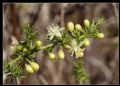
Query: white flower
75, 48
54, 30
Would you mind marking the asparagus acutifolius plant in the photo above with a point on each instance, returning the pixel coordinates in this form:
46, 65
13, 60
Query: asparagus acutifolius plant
72, 37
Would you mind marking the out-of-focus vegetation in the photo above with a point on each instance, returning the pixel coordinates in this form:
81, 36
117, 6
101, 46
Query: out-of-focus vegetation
101, 57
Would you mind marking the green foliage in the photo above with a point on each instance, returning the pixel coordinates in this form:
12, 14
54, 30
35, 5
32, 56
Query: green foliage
74, 38
30, 33
13, 70
59, 36
25, 51
80, 74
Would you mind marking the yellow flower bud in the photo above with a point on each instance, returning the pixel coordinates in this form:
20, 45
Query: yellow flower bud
86, 23
70, 26
34, 65
29, 68
61, 54
100, 35
38, 44
24, 50
78, 26
51, 56
86, 42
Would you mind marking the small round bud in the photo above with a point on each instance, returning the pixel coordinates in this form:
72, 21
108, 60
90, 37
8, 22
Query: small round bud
51, 56
78, 26
100, 35
29, 68
70, 26
86, 23
34, 65
38, 44
86, 42
61, 54
24, 50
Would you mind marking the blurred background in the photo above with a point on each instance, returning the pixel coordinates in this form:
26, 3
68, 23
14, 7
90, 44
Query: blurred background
101, 57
